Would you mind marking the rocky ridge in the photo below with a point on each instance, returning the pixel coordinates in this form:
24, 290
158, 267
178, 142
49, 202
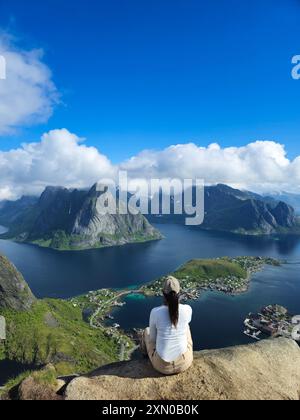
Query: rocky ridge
14, 291
268, 370
66, 219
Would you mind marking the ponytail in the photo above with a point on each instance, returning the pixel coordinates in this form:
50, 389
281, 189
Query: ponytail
172, 300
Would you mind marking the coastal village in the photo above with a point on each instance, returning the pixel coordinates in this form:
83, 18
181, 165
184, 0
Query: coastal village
96, 307
273, 321
226, 275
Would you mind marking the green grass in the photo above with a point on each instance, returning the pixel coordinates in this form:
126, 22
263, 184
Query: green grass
53, 331
64, 242
226, 274
199, 273
13, 382
210, 269
60, 241
46, 378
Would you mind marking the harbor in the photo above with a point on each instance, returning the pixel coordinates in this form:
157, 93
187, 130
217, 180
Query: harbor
273, 321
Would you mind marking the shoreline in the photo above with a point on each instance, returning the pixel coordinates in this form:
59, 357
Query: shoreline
105, 306
103, 311
80, 249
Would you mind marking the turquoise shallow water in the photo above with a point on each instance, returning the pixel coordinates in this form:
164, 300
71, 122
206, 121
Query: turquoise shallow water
217, 320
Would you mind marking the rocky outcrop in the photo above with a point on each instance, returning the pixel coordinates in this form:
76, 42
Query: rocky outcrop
76, 219
268, 370
290, 199
32, 389
111, 226
41, 385
284, 215
14, 291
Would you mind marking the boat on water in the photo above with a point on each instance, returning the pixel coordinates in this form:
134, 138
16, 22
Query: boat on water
273, 321
252, 334
249, 326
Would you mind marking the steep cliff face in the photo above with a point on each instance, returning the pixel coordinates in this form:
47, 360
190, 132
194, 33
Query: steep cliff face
231, 210
284, 215
14, 291
268, 370
74, 219
56, 210
95, 225
11, 210
245, 212
288, 198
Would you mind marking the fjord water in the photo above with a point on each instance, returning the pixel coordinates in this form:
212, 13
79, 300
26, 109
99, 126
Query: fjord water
57, 274
218, 318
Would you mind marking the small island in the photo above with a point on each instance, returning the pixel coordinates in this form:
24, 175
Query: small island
226, 275
74, 336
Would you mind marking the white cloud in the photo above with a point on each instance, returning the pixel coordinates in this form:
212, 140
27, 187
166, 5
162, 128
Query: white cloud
262, 166
60, 158
27, 95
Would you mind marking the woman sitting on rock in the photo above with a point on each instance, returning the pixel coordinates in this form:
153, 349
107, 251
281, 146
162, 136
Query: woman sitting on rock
168, 341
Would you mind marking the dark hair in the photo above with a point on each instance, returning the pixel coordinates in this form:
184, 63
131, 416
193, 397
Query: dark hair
172, 301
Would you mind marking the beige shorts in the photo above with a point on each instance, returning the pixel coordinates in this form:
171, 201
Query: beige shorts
180, 365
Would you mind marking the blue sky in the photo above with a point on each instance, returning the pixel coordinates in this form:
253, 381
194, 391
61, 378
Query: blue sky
147, 74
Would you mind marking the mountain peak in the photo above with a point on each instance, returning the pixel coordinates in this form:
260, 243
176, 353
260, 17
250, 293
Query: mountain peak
72, 219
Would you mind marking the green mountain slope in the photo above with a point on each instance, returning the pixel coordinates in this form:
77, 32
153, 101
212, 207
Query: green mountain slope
14, 291
53, 331
50, 331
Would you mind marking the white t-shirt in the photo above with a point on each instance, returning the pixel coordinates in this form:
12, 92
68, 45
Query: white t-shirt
171, 342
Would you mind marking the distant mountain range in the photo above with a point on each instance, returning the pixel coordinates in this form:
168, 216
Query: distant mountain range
71, 219
244, 212
66, 219
291, 199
